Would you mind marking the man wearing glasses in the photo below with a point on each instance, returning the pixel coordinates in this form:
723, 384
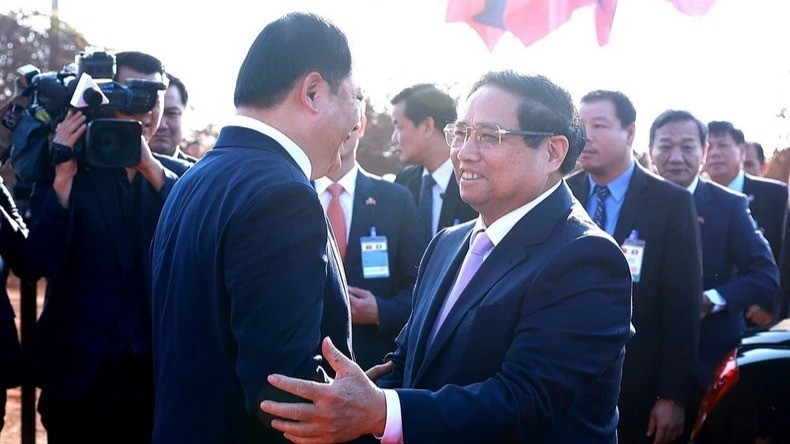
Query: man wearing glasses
520, 316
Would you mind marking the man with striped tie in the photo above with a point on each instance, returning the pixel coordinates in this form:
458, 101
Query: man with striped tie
656, 224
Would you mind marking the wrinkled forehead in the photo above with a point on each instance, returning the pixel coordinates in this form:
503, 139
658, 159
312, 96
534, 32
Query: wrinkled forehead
679, 131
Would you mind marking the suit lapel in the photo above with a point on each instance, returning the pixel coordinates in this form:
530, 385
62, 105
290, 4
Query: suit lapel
450, 201
363, 216
580, 187
437, 286
632, 205
518, 245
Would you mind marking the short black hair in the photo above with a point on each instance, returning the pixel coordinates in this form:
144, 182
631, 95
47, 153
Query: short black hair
140, 62
723, 127
758, 149
427, 100
544, 107
285, 50
623, 106
175, 81
674, 115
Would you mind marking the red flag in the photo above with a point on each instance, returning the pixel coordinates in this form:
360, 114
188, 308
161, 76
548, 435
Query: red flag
531, 20
470, 11
694, 8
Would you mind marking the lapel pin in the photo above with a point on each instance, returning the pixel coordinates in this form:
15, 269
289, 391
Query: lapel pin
370, 201
701, 219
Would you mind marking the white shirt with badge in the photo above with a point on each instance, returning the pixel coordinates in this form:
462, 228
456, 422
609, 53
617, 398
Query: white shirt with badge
375, 259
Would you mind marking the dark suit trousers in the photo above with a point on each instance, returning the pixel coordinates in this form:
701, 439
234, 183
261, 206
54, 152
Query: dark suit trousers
118, 407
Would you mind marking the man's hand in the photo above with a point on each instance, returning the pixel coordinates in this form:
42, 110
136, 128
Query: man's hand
666, 421
67, 133
348, 407
364, 308
149, 167
758, 315
377, 371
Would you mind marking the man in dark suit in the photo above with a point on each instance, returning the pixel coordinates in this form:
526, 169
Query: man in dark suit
419, 115
247, 278
664, 248
737, 266
12, 237
367, 215
767, 199
90, 233
169, 134
520, 336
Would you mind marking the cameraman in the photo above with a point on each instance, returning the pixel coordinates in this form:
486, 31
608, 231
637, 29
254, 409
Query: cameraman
90, 234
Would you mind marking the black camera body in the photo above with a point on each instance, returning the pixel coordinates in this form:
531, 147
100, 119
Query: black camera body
108, 143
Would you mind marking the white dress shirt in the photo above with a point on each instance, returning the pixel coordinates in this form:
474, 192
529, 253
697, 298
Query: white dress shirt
349, 183
442, 177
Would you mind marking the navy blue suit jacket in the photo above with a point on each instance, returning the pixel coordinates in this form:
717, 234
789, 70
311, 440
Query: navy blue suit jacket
246, 282
737, 262
660, 360
533, 349
454, 210
91, 284
390, 209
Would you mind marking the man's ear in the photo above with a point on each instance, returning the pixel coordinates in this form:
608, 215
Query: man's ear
557, 148
631, 130
309, 88
427, 127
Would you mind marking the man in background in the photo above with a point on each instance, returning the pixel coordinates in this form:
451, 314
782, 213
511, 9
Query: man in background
737, 266
767, 199
754, 162
655, 223
168, 136
419, 115
374, 223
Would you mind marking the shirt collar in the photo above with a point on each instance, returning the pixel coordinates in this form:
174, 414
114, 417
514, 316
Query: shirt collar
502, 226
737, 183
442, 174
294, 150
693, 186
618, 186
348, 181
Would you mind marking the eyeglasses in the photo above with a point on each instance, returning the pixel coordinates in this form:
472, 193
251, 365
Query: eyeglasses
457, 134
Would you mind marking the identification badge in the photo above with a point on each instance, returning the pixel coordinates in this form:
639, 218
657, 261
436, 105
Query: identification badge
375, 261
634, 251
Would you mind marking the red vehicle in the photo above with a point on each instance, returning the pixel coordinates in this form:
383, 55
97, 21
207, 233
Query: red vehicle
749, 398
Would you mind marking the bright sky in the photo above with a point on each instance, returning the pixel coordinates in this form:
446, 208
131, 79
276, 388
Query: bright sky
731, 64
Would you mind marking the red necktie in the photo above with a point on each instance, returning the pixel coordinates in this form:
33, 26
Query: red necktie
337, 217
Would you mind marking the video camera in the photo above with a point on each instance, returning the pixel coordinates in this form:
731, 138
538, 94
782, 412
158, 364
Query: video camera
108, 143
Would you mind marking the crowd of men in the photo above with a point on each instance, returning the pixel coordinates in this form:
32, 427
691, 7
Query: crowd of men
520, 281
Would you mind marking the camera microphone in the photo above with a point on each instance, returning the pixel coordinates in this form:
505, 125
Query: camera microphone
92, 97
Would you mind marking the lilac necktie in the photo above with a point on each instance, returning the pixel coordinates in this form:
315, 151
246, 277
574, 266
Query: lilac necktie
474, 258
